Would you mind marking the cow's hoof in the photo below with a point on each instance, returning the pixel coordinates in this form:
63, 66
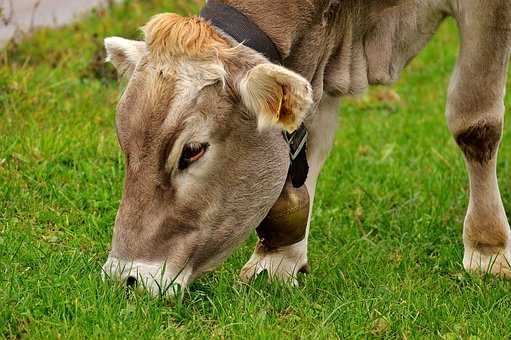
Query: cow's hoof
281, 264
498, 264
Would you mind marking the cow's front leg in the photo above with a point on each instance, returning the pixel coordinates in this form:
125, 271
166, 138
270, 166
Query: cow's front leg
486, 233
285, 262
475, 113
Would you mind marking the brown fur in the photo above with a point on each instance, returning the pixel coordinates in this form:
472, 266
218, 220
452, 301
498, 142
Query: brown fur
479, 142
197, 216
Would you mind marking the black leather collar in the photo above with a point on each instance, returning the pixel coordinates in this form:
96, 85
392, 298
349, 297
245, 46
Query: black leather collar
240, 28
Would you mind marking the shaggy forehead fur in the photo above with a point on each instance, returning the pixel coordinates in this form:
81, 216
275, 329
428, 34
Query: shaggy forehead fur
186, 50
170, 35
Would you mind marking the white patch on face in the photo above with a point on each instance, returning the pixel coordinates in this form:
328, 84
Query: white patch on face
157, 278
193, 76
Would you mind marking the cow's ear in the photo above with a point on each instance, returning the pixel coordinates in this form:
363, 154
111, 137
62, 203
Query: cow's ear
124, 54
278, 96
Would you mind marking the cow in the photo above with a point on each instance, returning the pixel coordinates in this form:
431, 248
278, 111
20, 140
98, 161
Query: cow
210, 100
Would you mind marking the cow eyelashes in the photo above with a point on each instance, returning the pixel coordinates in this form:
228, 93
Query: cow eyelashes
191, 153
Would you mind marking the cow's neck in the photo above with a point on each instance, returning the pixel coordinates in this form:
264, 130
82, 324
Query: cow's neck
283, 21
307, 33
343, 46
286, 23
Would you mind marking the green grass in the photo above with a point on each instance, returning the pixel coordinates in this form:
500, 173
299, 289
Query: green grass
385, 245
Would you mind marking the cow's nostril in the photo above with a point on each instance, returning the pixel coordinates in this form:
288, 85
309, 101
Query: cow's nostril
131, 281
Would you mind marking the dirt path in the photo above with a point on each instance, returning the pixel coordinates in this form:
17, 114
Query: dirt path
22, 15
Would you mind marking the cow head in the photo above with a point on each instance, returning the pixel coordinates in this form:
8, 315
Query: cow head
200, 124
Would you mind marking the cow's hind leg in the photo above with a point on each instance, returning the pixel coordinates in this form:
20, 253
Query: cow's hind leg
285, 262
475, 113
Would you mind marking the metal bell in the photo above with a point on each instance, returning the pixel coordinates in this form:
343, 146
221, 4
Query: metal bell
286, 222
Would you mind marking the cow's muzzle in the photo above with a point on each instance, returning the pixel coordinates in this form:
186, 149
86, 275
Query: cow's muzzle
158, 278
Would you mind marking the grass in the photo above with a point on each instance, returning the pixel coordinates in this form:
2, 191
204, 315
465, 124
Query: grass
385, 245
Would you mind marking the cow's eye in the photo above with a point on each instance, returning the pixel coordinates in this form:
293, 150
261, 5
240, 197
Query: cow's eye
192, 152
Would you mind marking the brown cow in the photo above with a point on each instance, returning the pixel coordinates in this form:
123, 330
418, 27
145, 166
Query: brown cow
201, 122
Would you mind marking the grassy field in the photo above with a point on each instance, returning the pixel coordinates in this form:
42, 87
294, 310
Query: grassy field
385, 246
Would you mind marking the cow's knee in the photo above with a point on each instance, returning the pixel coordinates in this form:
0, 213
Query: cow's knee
479, 142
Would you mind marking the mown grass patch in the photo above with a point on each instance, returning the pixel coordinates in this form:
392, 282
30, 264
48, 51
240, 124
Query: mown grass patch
385, 245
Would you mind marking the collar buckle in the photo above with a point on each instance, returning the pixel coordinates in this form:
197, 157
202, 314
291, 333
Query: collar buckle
296, 141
